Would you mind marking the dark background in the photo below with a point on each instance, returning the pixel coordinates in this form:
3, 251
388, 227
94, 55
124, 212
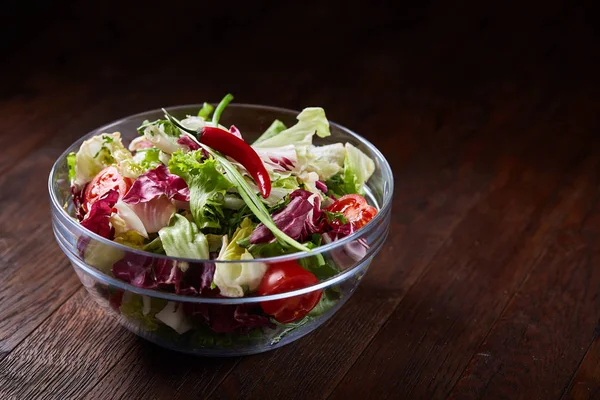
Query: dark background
297, 54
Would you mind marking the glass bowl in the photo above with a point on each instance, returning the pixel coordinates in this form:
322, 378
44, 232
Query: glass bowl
217, 326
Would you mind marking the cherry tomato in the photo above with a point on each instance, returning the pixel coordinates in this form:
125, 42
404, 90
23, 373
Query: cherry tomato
355, 209
107, 179
284, 277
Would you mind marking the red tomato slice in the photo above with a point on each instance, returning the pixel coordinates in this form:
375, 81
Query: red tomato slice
284, 277
107, 179
355, 208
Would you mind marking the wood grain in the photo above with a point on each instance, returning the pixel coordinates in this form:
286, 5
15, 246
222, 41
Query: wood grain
559, 298
488, 116
478, 260
65, 356
586, 382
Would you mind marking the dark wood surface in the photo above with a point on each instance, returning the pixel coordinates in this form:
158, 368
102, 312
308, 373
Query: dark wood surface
488, 286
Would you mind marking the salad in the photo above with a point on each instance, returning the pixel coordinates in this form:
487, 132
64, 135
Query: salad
192, 188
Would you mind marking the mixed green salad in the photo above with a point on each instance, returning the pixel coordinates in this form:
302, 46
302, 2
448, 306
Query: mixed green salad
195, 189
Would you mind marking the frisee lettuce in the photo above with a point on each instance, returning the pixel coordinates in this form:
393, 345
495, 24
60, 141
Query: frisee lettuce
207, 187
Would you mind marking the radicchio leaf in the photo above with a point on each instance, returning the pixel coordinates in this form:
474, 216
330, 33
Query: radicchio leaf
148, 273
299, 219
155, 183
97, 219
78, 198
185, 140
223, 318
235, 132
321, 186
197, 278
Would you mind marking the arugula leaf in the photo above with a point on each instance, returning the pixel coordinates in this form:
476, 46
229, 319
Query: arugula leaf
273, 130
207, 187
332, 216
205, 111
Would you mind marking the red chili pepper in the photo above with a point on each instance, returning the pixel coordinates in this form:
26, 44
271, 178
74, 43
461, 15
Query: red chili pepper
240, 151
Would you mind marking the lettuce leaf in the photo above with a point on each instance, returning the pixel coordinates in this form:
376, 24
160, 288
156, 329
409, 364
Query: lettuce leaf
326, 161
147, 158
71, 160
274, 129
358, 168
99, 152
310, 121
183, 239
102, 256
162, 134
231, 278
142, 310
207, 187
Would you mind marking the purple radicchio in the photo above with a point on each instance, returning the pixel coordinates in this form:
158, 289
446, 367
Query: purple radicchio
78, 199
97, 220
223, 318
155, 183
299, 219
235, 132
147, 272
185, 140
151, 273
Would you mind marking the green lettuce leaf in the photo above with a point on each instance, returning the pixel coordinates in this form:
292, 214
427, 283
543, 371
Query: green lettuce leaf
207, 187
183, 239
99, 152
147, 158
358, 168
310, 121
142, 310
71, 165
286, 183
326, 161
273, 130
233, 278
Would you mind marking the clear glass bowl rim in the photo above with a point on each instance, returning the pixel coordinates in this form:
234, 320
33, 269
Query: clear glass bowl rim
56, 207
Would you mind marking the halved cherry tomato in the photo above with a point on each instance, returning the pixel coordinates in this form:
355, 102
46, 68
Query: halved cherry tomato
107, 179
355, 209
284, 277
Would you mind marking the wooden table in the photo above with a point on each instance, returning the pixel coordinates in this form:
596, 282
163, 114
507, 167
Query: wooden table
488, 286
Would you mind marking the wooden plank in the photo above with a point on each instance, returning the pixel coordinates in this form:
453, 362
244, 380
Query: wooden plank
66, 356
428, 205
143, 373
431, 335
586, 382
537, 344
